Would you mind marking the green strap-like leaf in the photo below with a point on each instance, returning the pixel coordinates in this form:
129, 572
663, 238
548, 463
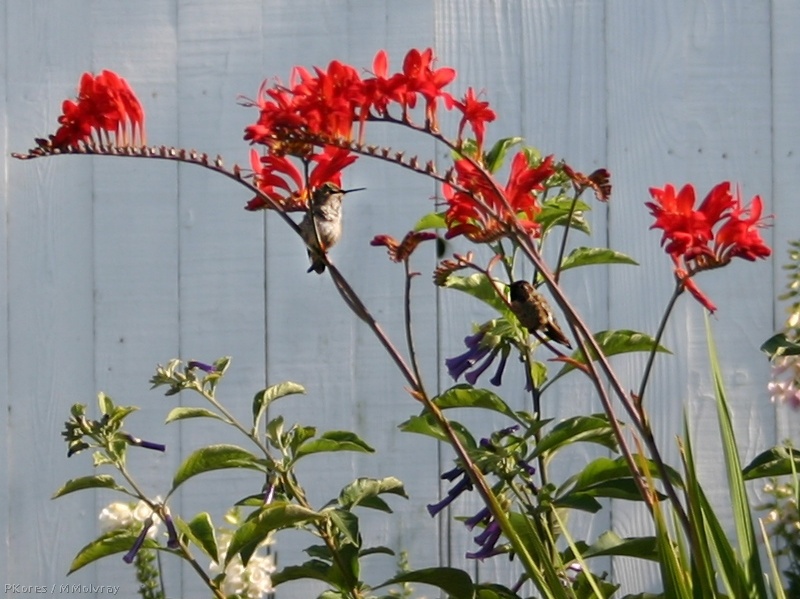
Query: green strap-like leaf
100, 481
456, 583
333, 441
214, 457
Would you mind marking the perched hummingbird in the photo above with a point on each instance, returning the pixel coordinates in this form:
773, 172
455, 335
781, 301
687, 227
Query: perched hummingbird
325, 208
533, 312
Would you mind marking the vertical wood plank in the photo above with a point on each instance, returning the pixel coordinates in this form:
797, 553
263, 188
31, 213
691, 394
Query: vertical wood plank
50, 304
136, 233
5, 203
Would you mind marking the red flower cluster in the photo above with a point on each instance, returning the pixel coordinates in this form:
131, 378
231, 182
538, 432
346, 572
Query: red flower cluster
399, 251
107, 104
328, 103
710, 236
478, 207
279, 179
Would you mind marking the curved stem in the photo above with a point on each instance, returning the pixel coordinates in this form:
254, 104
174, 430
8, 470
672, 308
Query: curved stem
412, 354
659, 333
563, 246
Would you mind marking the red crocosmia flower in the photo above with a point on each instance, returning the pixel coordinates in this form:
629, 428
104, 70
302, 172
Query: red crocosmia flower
470, 211
420, 78
710, 236
280, 179
477, 114
400, 251
106, 105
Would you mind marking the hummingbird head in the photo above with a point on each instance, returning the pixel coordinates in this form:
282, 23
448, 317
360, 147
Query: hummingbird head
330, 192
520, 291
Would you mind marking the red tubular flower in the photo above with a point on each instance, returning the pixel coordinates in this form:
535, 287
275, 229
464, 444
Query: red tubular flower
399, 251
105, 103
469, 210
280, 179
420, 78
477, 114
710, 236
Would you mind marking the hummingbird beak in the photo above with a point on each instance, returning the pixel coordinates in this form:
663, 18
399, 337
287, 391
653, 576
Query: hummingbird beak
354, 189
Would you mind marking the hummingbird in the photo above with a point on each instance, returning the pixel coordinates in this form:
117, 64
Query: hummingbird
534, 313
325, 208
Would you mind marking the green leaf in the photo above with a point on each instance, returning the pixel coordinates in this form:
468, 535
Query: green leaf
556, 212
100, 481
591, 429
115, 541
425, 424
333, 441
745, 532
585, 256
478, 286
265, 397
602, 470
578, 501
494, 591
361, 490
214, 457
621, 341
466, 396
347, 524
432, 220
200, 531
274, 516
105, 403
314, 569
780, 345
773, 462
184, 413
377, 550
456, 583
494, 158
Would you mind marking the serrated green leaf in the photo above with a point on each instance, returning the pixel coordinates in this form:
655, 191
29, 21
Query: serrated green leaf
467, 396
265, 397
275, 516
478, 286
776, 461
456, 583
780, 345
586, 256
621, 341
362, 489
333, 441
115, 541
184, 413
214, 457
495, 157
425, 424
100, 481
591, 429
200, 531
432, 220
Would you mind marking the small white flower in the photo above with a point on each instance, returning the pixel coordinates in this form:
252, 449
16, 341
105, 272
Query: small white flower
115, 516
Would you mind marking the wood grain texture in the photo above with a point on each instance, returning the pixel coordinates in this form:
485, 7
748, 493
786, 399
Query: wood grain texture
109, 265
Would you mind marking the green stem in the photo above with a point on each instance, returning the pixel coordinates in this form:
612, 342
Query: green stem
563, 246
661, 327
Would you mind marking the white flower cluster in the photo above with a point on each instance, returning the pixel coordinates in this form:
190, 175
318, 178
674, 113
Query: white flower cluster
119, 515
253, 581
785, 384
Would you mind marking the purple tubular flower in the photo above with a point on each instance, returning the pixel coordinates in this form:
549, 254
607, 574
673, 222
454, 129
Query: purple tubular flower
497, 379
484, 515
488, 542
463, 362
465, 484
146, 444
472, 377
526, 467
201, 365
172, 534
129, 557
